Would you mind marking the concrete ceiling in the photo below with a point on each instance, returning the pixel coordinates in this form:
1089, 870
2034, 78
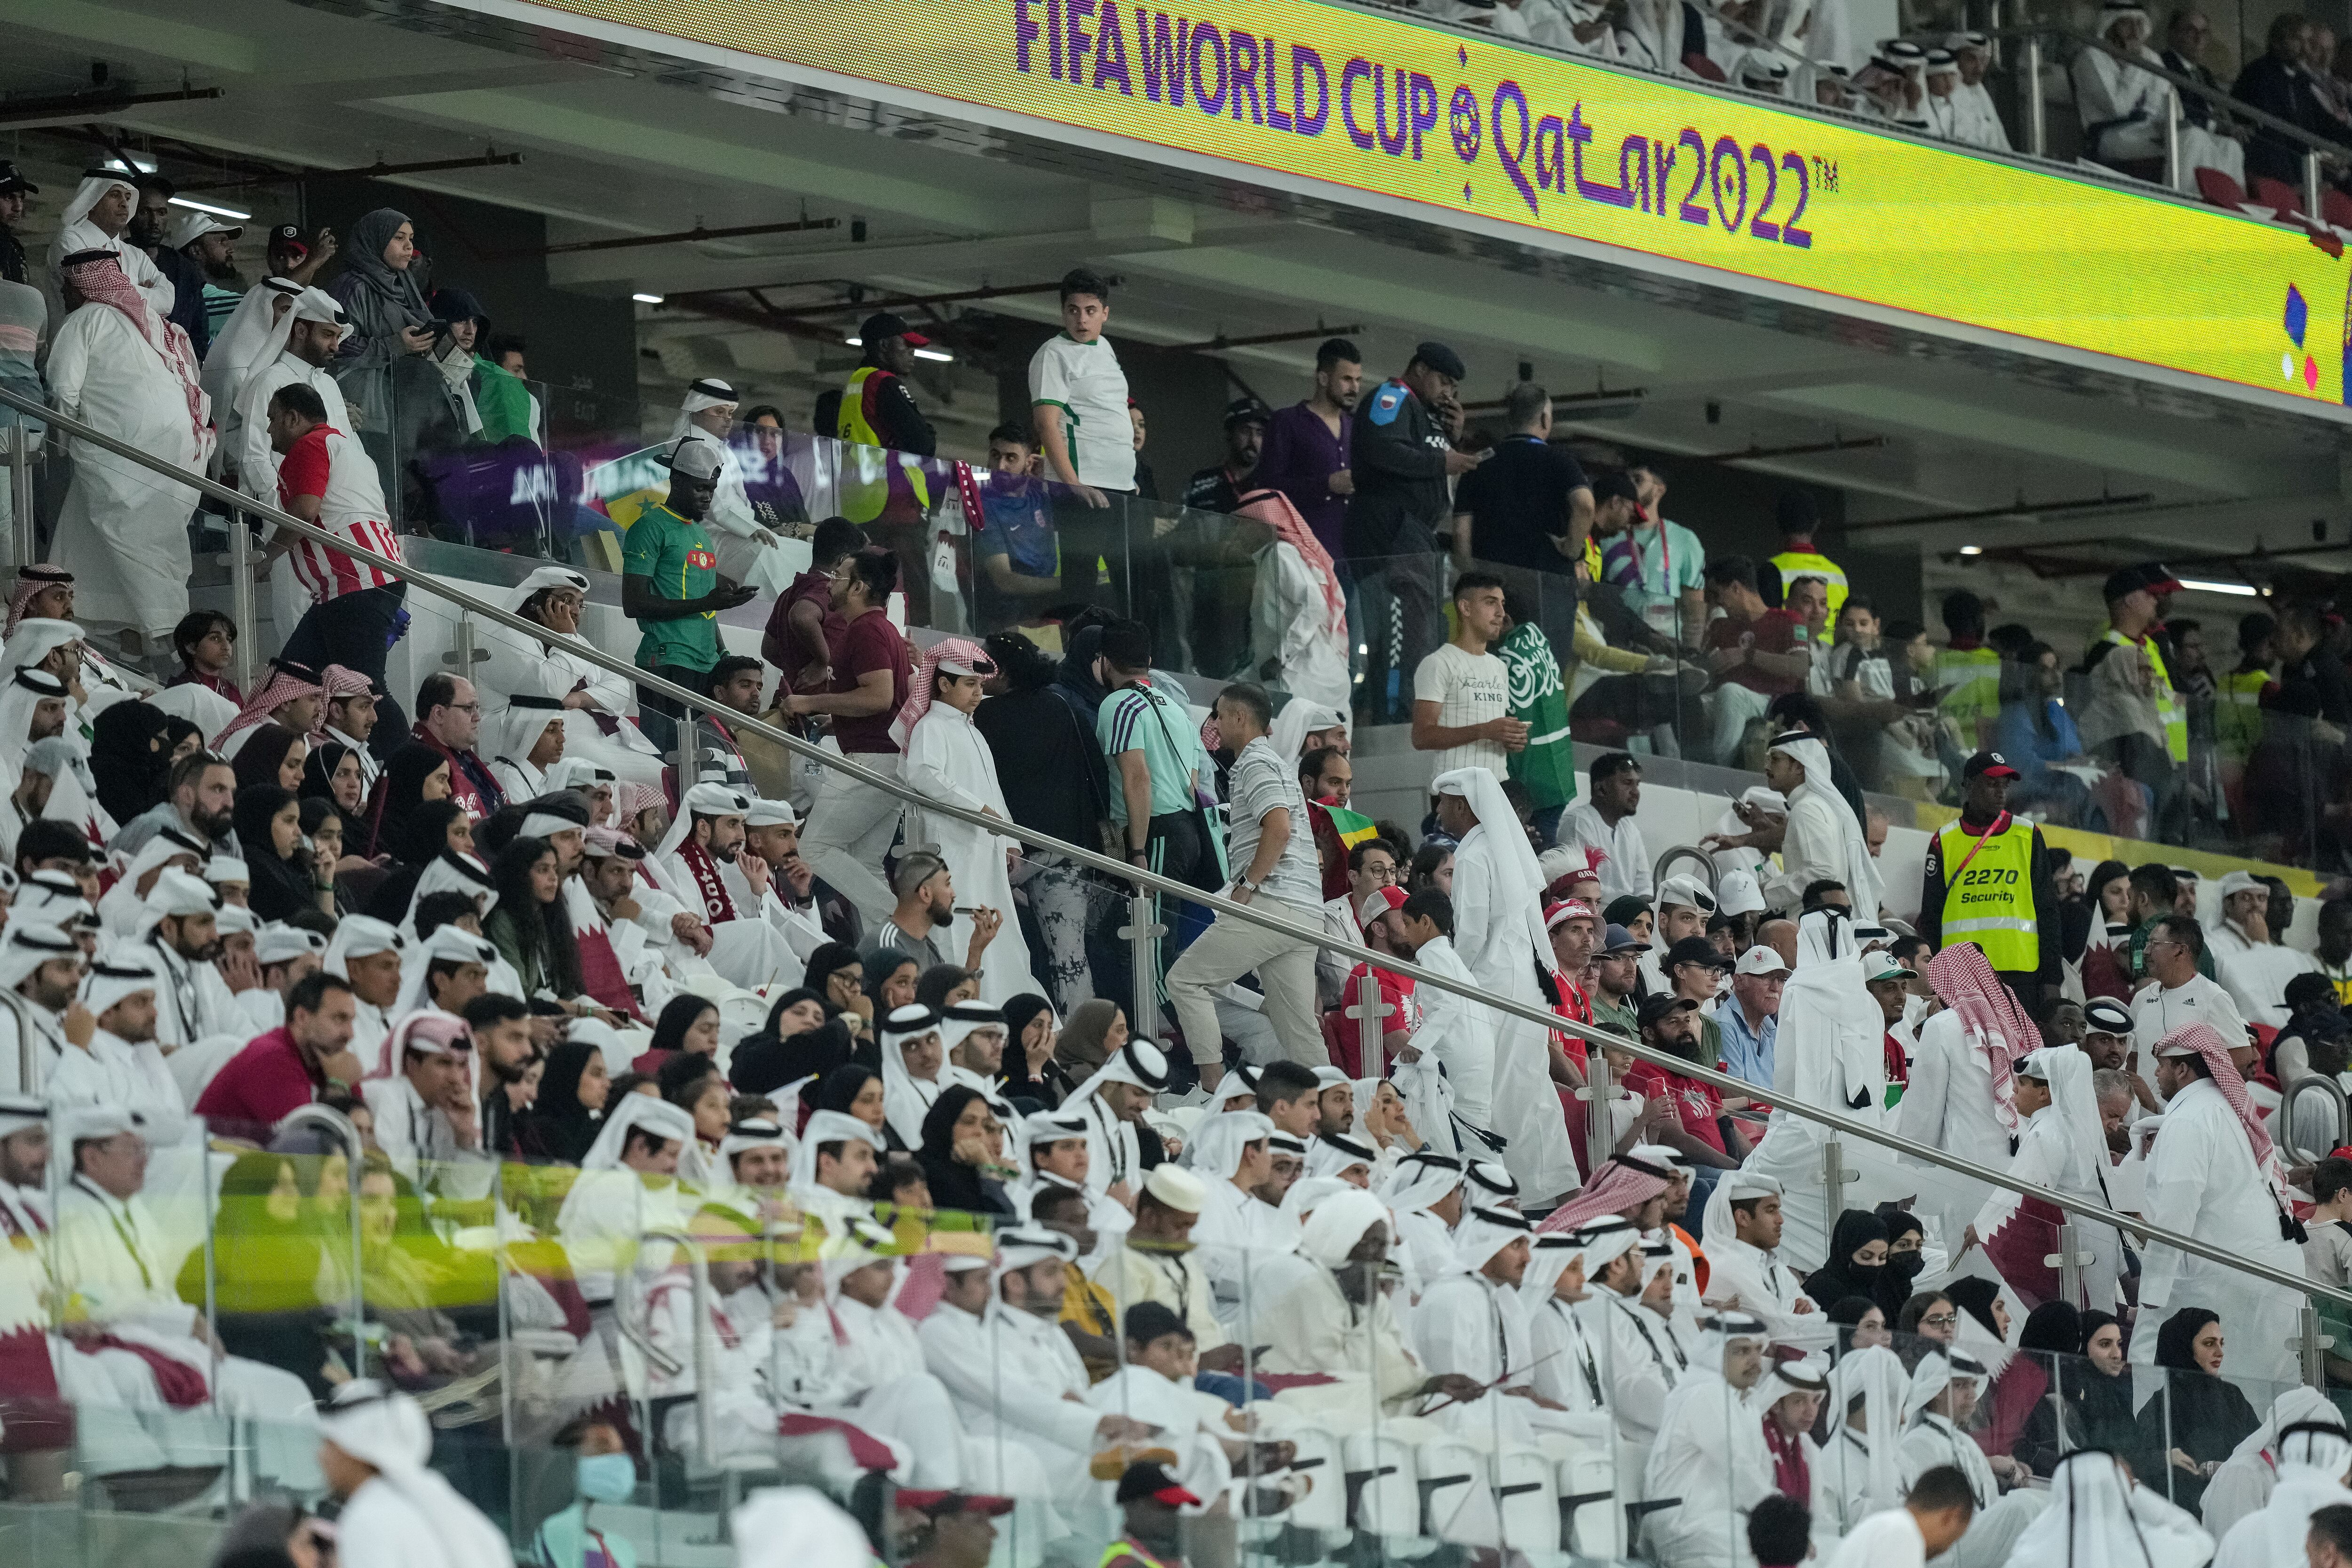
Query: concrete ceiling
613, 150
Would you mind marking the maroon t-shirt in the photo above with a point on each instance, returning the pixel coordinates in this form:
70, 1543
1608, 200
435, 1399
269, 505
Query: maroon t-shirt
260, 1085
1774, 631
782, 647
870, 643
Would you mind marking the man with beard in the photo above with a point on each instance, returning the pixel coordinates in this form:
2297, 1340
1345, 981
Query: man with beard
193, 1002
287, 1067
43, 967
771, 838
201, 802
150, 230
1688, 1114
926, 908
503, 1043
708, 840
120, 1066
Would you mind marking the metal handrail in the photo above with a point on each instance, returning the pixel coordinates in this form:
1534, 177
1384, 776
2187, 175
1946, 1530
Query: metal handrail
1148, 882
2327, 1085
354, 1161
1680, 852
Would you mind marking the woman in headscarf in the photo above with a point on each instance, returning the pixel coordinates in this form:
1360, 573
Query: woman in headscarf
1095, 1030
434, 832
561, 1123
556, 598
2024, 1422
267, 1246
128, 753
1857, 1263
689, 1026
963, 1172
272, 754
2197, 1416
286, 876
854, 1089
837, 974
1633, 911
889, 982
529, 927
1027, 1070
2100, 1384
415, 774
383, 288
2105, 963
333, 772
942, 985
322, 825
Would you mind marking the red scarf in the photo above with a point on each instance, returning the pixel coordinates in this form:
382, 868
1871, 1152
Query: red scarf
1791, 1475
718, 906
600, 972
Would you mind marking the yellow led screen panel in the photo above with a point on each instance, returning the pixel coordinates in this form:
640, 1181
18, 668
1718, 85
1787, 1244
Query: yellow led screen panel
1377, 104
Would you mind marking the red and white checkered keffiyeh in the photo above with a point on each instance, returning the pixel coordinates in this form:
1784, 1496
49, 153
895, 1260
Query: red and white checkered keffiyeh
1621, 1184
338, 683
286, 683
31, 580
100, 280
1990, 1018
965, 652
2207, 1042
1275, 509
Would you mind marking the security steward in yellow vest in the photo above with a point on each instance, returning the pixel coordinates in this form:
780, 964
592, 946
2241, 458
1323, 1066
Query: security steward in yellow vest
1798, 558
885, 490
1988, 881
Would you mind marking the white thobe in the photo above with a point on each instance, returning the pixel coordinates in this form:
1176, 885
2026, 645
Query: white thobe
946, 759
2201, 1181
2000, 1521
1710, 1453
19, 1014
2255, 973
1499, 933
877, 1381
1625, 866
1888, 1539
1311, 1326
137, 265
123, 531
1458, 1031
545, 666
2273, 1535
115, 1072
1646, 1361
421, 1142
602, 1217
109, 1256
1113, 1156
1948, 1105
1238, 1239
1469, 1325
1767, 1291
1288, 627
1842, 1495
802, 931
1815, 846
1976, 121
1829, 1050
244, 433
743, 1409
194, 1002
2042, 1158
2127, 102
747, 950
1017, 1383
1568, 1362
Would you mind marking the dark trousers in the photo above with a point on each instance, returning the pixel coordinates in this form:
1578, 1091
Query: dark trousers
357, 631
1403, 622
658, 715
1095, 543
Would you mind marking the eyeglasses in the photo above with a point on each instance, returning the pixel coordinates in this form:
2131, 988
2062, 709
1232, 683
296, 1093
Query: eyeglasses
1939, 1321
466, 707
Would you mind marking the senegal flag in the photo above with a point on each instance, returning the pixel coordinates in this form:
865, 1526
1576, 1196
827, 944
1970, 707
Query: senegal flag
1351, 828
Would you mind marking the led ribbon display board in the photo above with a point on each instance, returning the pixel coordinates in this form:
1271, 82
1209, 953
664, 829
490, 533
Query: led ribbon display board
1309, 92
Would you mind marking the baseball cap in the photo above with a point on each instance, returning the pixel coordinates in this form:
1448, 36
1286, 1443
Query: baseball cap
1441, 359
1760, 959
1154, 1481
1246, 411
1988, 763
2152, 576
1380, 902
1884, 966
883, 324
1657, 1004
1737, 894
1694, 950
1617, 938
939, 1503
696, 459
12, 180
287, 238
2107, 1016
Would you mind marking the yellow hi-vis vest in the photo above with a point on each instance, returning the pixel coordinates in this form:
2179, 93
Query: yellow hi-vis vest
2171, 713
1794, 563
1990, 903
1968, 685
867, 469
2238, 713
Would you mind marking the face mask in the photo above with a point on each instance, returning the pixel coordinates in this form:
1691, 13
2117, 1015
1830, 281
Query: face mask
1864, 1274
607, 1477
1905, 1265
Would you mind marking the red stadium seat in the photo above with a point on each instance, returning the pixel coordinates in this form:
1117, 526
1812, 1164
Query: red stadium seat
2278, 196
2335, 207
2219, 189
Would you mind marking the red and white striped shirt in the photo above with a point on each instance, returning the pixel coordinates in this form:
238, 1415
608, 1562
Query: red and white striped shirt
330, 465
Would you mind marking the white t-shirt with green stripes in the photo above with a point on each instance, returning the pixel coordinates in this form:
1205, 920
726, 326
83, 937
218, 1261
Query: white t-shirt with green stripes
1084, 381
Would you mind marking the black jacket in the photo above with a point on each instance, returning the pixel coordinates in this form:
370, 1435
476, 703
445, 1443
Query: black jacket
1399, 461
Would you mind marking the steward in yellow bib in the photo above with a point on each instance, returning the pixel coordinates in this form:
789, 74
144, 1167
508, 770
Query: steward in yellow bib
2133, 717
1987, 881
1798, 558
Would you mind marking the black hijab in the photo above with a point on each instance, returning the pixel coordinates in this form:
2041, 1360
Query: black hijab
1841, 1276
129, 751
1974, 1295
2313, 1017
2203, 1415
319, 769
766, 1061
400, 791
954, 1184
280, 885
557, 1125
1903, 1269
263, 753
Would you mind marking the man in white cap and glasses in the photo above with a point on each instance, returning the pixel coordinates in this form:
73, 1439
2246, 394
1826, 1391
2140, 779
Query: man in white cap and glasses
1711, 1453
1750, 1019
1822, 841
1499, 933
671, 585
2252, 967
114, 1264
2214, 1174
375, 1448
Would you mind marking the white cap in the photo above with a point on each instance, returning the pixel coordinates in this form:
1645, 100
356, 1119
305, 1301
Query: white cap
1686, 891
771, 814
2244, 882
1760, 959
696, 459
1737, 894
1178, 1188
1885, 966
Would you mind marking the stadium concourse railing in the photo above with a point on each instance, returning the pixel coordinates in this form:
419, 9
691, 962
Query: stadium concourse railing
1149, 887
